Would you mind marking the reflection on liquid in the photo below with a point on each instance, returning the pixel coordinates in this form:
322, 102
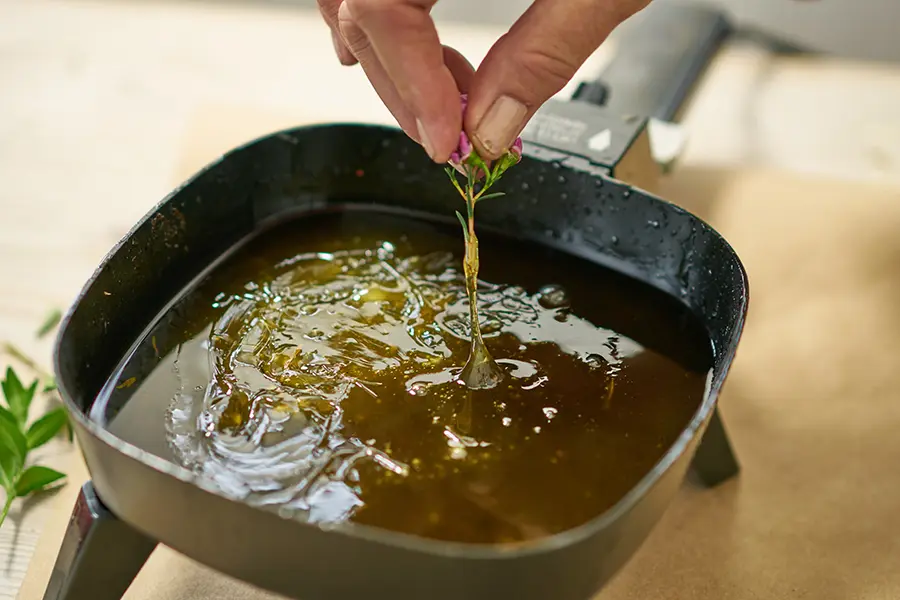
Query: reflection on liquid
326, 387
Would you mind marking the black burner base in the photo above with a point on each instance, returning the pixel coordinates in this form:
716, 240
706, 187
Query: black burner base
100, 555
714, 461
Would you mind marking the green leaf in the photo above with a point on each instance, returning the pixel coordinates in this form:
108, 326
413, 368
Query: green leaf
36, 478
18, 398
50, 385
451, 173
13, 390
478, 162
45, 429
8, 416
13, 449
493, 195
15, 437
50, 322
465, 226
29, 396
505, 162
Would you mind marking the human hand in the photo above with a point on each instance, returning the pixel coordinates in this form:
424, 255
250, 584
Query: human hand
419, 80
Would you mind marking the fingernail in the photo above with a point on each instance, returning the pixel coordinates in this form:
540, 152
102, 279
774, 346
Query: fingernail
344, 11
424, 139
500, 125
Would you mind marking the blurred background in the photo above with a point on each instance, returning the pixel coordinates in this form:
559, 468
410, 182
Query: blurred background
791, 149
103, 93
860, 29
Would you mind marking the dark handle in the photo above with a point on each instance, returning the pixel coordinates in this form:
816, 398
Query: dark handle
660, 55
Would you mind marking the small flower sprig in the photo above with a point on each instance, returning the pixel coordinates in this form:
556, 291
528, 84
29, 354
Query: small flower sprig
466, 161
480, 371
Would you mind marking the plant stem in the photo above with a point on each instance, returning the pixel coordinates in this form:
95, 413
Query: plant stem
480, 371
9, 500
25, 360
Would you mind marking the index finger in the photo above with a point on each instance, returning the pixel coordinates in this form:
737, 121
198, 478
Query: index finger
407, 45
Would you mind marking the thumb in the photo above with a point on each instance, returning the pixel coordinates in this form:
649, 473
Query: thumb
533, 61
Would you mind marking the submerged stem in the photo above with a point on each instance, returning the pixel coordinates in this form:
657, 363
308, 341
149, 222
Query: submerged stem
481, 371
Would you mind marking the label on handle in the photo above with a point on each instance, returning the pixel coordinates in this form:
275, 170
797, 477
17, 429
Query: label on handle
584, 130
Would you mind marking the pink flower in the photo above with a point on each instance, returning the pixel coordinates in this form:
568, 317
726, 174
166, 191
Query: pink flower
462, 153
464, 148
516, 149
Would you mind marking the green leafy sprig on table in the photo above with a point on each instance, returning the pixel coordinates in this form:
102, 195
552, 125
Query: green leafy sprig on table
19, 435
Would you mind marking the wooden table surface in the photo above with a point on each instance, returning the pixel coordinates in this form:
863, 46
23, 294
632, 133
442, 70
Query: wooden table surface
101, 101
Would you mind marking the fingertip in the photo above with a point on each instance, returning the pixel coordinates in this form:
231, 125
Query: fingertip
439, 154
497, 130
423, 73
449, 126
345, 23
343, 12
341, 50
460, 68
439, 117
532, 62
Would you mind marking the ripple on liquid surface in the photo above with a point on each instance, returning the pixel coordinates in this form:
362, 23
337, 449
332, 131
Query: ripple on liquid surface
326, 388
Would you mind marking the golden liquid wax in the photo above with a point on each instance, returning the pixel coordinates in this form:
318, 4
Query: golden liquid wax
318, 372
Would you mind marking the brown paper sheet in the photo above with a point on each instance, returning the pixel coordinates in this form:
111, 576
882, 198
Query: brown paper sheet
812, 405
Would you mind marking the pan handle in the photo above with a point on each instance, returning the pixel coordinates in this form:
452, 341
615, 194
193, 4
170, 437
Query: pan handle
660, 54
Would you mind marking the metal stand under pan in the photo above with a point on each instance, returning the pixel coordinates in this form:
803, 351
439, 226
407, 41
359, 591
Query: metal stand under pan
659, 60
